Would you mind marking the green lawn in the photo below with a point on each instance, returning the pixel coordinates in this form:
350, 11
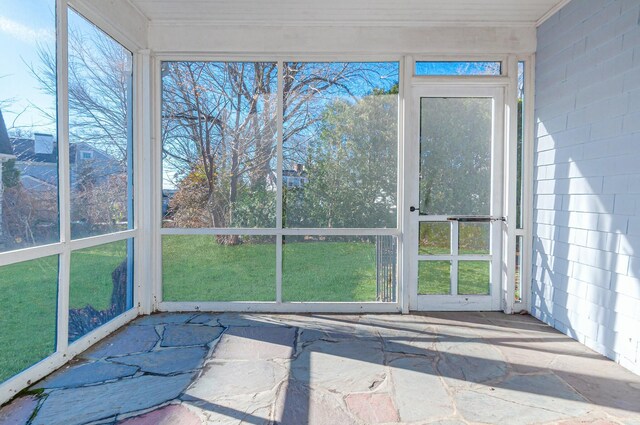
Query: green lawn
28, 299
28, 313
434, 278
196, 268
329, 271
91, 268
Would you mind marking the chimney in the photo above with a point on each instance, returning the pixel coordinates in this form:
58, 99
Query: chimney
299, 168
43, 143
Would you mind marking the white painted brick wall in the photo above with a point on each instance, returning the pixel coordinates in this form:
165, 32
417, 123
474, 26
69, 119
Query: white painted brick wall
586, 259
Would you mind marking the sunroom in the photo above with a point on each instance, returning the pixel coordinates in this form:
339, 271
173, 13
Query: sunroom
320, 212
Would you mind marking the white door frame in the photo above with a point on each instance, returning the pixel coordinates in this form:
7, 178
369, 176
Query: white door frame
452, 88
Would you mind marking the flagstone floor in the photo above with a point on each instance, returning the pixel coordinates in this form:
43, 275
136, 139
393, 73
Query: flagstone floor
445, 368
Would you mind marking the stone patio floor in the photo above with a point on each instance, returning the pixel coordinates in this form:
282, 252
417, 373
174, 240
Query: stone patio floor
445, 368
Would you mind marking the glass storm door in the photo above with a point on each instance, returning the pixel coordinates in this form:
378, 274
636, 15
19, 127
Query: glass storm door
455, 198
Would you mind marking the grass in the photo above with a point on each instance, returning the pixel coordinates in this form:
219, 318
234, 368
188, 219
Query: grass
329, 271
434, 278
28, 301
196, 268
91, 268
28, 293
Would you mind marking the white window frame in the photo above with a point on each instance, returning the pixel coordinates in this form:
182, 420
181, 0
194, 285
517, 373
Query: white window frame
277, 306
526, 254
66, 245
487, 88
509, 81
86, 155
147, 231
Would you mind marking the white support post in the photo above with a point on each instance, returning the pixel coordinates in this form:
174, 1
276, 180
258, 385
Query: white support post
64, 184
510, 189
279, 168
401, 289
144, 193
155, 185
407, 291
526, 261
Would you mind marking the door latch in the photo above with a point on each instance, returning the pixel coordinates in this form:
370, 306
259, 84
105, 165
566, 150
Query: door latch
476, 219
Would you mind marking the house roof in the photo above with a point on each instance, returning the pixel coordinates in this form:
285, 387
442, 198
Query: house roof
24, 150
36, 184
5, 143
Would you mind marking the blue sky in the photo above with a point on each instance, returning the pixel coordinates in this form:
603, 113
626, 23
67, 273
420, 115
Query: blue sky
457, 68
23, 25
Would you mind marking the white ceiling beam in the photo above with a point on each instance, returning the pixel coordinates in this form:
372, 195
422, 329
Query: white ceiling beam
274, 39
352, 12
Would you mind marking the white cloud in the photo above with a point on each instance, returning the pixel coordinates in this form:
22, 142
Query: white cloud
25, 33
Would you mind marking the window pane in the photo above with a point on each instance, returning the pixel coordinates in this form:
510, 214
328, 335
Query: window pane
458, 68
100, 131
28, 299
28, 133
518, 274
435, 239
337, 268
101, 286
340, 144
434, 277
474, 277
218, 268
219, 144
455, 156
520, 166
474, 238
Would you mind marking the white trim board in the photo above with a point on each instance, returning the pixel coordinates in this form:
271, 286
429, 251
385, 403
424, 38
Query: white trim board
287, 307
238, 39
125, 23
555, 9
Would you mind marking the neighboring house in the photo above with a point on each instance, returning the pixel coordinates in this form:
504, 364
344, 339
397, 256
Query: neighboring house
6, 154
295, 178
85, 158
37, 161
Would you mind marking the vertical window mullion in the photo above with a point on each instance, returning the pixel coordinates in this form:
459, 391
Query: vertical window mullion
64, 186
131, 185
279, 200
511, 170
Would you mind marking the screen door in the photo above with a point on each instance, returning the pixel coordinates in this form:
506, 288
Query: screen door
455, 205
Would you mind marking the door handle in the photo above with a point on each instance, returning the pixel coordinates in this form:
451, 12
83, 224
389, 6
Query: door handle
476, 219
412, 209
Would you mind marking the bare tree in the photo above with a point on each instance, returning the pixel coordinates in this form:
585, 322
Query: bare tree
100, 75
219, 130
100, 96
219, 121
29, 217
